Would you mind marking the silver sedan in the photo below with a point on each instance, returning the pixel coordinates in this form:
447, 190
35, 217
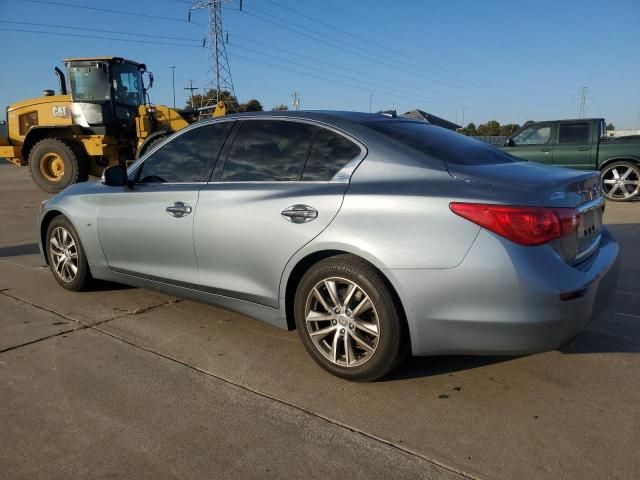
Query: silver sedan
375, 237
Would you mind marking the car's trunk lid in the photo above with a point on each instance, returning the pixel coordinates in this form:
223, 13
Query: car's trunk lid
557, 188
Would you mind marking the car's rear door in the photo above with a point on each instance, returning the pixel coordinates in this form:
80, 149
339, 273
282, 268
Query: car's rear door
533, 143
147, 230
282, 183
574, 146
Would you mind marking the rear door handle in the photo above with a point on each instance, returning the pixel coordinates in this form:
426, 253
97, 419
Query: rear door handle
584, 149
179, 209
545, 150
299, 213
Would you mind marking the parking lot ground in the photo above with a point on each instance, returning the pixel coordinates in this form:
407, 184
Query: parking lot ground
127, 382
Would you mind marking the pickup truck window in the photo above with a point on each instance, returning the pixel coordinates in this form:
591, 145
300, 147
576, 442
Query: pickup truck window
533, 135
574, 132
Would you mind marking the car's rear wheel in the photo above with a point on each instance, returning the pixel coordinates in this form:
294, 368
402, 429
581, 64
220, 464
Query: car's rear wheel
348, 320
621, 181
67, 259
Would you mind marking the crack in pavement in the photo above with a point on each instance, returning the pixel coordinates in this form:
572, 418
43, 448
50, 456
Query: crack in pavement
96, 327
80, 324
370, 436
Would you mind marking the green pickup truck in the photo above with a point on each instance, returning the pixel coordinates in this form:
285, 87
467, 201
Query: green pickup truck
582, 144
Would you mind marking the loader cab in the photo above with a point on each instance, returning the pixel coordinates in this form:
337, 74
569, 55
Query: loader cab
106, 94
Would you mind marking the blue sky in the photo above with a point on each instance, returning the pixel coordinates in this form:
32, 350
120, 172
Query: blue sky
508, 60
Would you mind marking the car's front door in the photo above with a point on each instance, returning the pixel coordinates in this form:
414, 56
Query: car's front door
533, 143
281, 185
574, 147
147, 230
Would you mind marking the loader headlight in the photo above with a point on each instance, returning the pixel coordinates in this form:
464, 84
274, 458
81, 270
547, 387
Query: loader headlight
86, 114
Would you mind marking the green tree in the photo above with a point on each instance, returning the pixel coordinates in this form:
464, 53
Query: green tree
508, 129
491, 128
469, 129
209, 96
610, 127
252, 105
280, 107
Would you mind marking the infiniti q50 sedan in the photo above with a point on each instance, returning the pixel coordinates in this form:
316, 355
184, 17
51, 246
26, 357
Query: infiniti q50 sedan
374, 237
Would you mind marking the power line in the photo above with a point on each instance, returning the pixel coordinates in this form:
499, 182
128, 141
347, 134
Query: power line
101, 31
452, 73
377, 45
377, 60
358, 87
107, 10
342, 68
66, 34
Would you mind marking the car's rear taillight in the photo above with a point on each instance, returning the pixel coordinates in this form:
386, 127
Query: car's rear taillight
523, 225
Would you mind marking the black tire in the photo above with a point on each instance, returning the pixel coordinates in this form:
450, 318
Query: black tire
82, 278
50, 178
625, 192
392, 341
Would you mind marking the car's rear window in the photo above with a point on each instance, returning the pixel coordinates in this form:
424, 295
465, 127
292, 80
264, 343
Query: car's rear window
442, 144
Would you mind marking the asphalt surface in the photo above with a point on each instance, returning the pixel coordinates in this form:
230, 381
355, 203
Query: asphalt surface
123, 382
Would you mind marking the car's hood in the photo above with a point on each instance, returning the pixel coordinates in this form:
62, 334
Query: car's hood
556, 186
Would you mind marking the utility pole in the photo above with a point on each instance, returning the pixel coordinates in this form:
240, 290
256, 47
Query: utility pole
219, 74
463, 115
296, 101
583, 101
191, 88
370, 101
173, 83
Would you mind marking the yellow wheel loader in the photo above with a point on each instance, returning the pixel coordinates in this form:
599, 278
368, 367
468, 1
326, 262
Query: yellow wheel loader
101, 117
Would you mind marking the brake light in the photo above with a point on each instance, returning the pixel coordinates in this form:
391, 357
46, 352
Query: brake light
523, 225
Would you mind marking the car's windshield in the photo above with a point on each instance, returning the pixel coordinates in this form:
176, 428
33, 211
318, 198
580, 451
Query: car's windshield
440, 143
89, 82
127, 84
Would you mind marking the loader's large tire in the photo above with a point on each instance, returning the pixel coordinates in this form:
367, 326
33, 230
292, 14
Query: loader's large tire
57, 163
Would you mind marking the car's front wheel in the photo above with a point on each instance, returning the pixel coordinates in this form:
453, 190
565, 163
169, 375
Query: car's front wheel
66, 256
348, 320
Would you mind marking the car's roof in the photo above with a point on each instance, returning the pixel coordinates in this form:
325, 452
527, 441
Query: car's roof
326, 115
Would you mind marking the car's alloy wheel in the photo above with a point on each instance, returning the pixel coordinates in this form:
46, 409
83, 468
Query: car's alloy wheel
349, 320
621, 181
342, 322
66, 256
63, 253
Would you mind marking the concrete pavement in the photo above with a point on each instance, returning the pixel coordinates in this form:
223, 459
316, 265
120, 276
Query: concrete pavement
126, 382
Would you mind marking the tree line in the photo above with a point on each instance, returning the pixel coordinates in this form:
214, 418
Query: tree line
489, 129
230, 101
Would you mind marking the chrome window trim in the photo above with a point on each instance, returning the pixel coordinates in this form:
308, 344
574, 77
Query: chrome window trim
133, 168
342, 176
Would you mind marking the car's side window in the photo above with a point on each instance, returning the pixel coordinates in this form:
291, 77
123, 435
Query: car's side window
268, 150
329, 153
534, 135
574, 132
187, 158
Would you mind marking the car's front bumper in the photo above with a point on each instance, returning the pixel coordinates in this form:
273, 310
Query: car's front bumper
504, 299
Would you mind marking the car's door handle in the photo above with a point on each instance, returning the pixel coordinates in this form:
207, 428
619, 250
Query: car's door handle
179, 209
584, 149
545, 150
299, 213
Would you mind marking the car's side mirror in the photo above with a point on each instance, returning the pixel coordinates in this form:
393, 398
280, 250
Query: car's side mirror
509, 143
114, 176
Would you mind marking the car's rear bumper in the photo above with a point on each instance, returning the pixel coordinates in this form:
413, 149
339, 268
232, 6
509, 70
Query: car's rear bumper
504, 299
